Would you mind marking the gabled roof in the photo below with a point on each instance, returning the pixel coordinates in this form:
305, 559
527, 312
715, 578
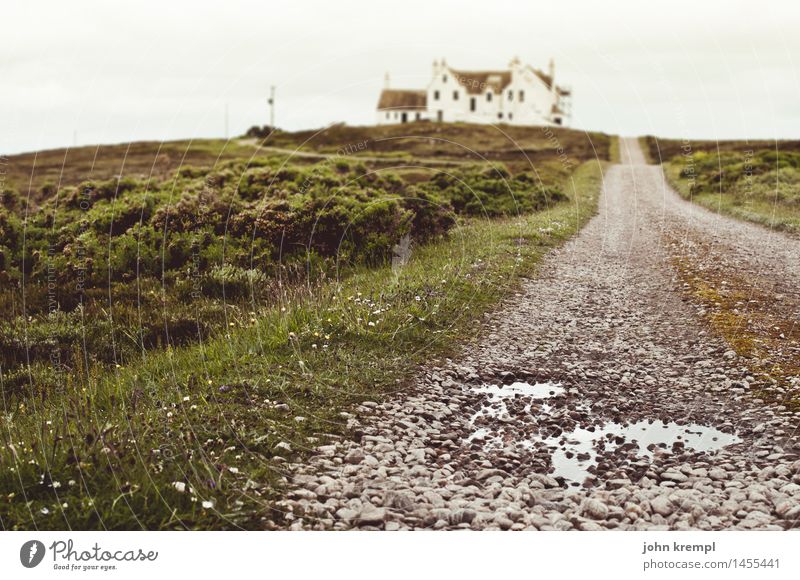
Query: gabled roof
402, 99
546, 79
477, 81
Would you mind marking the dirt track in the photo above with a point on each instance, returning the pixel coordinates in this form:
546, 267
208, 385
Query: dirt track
637, 387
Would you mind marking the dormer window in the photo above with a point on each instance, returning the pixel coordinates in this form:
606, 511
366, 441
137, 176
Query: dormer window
435, 95
488, 96
510, 95
522, 96
455, 95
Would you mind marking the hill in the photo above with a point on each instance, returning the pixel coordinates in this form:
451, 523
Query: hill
179, 318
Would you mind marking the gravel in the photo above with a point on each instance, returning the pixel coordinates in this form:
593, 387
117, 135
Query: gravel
607, 320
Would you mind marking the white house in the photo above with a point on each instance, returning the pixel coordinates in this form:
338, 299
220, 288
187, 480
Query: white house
518, 95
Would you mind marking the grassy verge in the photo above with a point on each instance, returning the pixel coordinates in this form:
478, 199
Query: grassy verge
765, 208
647, 152
613, 149
756, 181
196, 437
756, 327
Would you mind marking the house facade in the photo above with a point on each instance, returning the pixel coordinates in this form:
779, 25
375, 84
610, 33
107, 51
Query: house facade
518, 95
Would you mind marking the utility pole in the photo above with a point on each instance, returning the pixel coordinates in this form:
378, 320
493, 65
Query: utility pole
271, 102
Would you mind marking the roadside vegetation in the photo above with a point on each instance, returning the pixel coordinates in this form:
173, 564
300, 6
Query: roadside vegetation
758, 181
168, 341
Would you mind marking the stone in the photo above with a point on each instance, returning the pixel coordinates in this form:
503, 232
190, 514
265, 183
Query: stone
662, 506
354, 456
346, 514
594, 509
675, 476
371, 516
487, 473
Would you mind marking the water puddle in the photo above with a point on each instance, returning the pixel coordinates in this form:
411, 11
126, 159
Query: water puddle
536, 391
499, 394
575, 452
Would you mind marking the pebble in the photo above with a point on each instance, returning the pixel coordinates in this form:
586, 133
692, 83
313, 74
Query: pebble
617, 331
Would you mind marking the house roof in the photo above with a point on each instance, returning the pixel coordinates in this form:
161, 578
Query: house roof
402, 99
546, 79
477, 81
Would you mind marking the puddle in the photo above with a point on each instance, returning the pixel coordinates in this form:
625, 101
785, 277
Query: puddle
573, 458
575, 452
498, 394
537, 390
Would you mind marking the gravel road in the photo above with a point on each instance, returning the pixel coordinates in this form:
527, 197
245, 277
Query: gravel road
597, 398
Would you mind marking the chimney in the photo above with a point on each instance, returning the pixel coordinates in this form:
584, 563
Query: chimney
435, 67
551, 72
386, 80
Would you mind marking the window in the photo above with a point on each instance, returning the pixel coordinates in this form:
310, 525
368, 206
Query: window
435, 95
488, 96
440, 116
510, 116
404, 118
444, 78
510, 95
419, 116
455, 95
499, 115
472, 104
387, 115
522, 96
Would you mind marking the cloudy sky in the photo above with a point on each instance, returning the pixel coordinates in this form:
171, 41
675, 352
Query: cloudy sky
103, 72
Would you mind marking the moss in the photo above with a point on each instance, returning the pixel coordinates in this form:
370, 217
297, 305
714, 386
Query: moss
760, 336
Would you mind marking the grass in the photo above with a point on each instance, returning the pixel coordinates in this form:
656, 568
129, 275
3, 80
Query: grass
196, 436
756, 181
35, 174
98, 272
663, 150
517, 147
763, 200
647, 152
613, 150
756, 327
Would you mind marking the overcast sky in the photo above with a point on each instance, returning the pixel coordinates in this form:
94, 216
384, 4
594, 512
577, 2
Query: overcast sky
112, 71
